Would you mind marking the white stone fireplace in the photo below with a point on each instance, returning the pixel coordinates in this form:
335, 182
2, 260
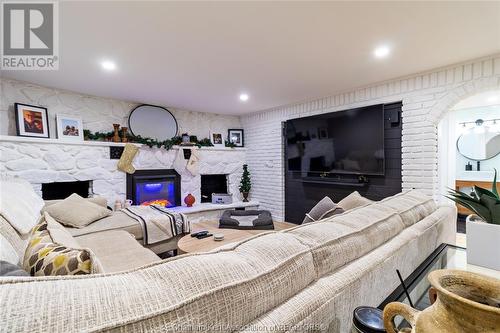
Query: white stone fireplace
49, 160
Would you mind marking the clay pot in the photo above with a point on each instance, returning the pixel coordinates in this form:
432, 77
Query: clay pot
466, 303
245, 196
189, 200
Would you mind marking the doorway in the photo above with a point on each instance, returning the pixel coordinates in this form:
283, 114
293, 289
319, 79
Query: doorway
469, 148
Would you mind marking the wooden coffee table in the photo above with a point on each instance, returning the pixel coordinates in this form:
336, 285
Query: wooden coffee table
188, 244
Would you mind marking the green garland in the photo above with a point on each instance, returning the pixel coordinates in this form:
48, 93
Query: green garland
166, 144
229, 144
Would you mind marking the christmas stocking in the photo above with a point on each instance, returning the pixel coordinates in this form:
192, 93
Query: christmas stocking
193, 163
180, 162
125, 162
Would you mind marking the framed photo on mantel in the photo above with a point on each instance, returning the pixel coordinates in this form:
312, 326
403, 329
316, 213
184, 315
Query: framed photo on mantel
236, 137
69, 128
31, 120
217, 139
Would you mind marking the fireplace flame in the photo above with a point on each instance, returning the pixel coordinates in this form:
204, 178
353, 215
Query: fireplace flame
159, 202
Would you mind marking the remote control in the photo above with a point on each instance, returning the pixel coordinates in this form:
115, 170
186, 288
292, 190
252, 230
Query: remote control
201, 232
203, 236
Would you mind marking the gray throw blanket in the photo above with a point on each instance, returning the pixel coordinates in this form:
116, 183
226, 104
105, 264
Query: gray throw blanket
158, 223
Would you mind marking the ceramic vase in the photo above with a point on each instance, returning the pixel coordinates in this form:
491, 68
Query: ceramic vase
124, 134
466, 303
245, 196
116, 135
189, 200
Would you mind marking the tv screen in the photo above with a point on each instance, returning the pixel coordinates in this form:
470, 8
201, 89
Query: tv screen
343, 142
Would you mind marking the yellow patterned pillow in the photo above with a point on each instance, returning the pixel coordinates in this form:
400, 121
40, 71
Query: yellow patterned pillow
47, 255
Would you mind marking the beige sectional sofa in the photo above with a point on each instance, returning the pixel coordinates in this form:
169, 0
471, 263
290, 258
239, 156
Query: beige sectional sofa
308, 278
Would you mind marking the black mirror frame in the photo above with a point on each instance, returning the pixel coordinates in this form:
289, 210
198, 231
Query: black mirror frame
156, 106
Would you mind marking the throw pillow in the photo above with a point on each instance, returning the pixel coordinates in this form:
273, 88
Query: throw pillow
53, 251
75, 211
103, 202
9, 269
353, 200
323, 209
19, 204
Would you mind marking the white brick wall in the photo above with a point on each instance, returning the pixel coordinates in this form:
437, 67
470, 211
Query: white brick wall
426, 98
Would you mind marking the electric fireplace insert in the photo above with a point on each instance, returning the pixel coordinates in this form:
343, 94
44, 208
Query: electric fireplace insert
157, 186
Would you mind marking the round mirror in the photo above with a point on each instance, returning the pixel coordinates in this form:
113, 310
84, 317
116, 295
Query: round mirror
479, 143
151, 121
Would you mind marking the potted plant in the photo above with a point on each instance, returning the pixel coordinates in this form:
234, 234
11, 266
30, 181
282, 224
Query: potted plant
483, 227
245, 183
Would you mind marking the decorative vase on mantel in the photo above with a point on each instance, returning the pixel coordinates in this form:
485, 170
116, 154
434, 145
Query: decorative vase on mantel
116, 135
466, 303
482, 242
124, 134
189, 200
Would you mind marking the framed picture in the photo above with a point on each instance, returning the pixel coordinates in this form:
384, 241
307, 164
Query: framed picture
236, 136
323, 133
31, 120
217, 139
69, 128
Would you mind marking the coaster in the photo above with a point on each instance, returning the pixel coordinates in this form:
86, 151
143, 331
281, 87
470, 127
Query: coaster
218, 237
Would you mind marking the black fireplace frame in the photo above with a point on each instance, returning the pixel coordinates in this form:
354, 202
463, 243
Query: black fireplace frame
153, 174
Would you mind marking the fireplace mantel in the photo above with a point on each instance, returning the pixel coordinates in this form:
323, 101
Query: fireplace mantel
22, 139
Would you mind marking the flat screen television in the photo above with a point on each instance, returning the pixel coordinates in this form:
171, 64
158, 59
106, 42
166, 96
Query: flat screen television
336, 143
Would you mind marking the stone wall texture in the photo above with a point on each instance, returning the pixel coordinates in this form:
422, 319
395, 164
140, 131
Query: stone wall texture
426, 98
97, 113
53, 162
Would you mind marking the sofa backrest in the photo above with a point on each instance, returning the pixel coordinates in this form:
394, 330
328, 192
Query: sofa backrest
228, 287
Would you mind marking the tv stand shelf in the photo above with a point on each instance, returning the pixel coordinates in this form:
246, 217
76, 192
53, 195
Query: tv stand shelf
333, 182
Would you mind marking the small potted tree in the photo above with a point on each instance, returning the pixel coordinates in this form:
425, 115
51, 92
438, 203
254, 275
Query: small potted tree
483, 227
245, 183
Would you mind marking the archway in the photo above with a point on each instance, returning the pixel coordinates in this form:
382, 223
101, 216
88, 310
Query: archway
440, 114
460, 119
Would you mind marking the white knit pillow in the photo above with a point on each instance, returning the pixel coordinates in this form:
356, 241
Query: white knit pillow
19, 204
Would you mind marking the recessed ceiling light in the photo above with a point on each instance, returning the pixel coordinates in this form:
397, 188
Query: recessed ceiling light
381, 51
108, 65
243, 97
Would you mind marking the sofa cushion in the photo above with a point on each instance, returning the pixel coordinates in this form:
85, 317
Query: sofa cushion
53, 251
117, 250
412, 206
323, 209
340, 239
19, 204
7, 251
116, 221
353, 200
75, 211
